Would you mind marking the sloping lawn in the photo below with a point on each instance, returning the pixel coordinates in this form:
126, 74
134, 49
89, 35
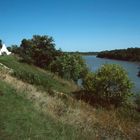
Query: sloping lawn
20, 121
37, 76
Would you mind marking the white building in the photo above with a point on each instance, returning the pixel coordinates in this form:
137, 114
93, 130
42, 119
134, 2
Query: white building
4, 50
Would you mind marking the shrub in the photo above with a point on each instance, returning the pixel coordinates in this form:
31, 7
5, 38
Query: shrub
110, 84
69, 66
137, 101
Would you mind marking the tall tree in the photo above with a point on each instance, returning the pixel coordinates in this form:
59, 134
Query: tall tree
40, 50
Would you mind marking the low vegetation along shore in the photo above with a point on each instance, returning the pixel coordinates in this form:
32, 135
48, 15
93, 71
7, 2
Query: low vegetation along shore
39, 97
130, 54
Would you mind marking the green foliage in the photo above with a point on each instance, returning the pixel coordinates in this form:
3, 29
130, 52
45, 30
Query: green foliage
69, 66
40, 50
36, 76
137, 101
0, 43
19, 120
109, 83
14, 49
130, 54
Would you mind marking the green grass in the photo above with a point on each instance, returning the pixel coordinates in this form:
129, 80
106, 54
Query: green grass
36, 76
20, 121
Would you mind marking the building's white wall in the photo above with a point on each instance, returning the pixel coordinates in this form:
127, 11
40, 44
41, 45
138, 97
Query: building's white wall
4, 50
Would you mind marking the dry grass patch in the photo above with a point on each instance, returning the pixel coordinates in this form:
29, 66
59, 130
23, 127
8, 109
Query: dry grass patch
93, 122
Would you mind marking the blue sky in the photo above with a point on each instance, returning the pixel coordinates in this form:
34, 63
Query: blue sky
76, 25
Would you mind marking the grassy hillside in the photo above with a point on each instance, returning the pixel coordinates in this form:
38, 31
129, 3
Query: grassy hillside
36, 76
35, 104
20, 121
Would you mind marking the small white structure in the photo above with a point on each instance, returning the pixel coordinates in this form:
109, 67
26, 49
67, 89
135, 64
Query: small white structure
4, 50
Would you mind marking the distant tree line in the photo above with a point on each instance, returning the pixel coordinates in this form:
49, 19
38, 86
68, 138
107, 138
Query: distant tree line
130, 54
83, 53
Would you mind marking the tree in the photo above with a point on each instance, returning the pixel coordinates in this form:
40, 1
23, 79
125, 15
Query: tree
139, 73
40, 50
69, 66
130, 54
14, 49
110, 83
0, 43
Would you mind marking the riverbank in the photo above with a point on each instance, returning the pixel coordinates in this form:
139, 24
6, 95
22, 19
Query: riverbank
50, 112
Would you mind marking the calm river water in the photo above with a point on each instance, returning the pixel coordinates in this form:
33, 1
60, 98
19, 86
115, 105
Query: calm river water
132, 68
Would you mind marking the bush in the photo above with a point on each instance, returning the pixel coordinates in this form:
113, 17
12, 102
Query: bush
69, 66
110, 84
137, 101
